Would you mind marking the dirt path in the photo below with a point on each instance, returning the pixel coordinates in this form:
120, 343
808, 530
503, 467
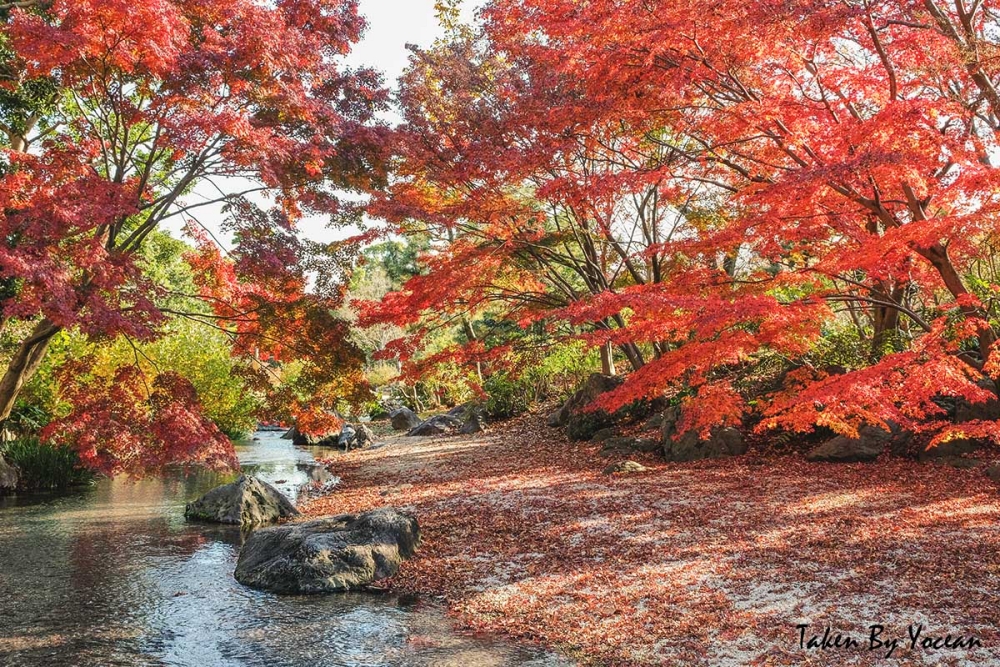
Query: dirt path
713, 563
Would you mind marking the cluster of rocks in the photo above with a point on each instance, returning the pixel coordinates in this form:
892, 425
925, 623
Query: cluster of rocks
873, 441
347, 437
330, 554
659, 433
463, 419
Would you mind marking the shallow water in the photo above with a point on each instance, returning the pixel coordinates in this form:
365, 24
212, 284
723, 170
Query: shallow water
113, 575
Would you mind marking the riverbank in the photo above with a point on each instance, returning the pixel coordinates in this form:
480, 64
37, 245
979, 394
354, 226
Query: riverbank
112, 574
710, 563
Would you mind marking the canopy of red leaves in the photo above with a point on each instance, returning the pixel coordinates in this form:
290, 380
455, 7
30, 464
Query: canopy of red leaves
121, 425
141, 102
732, 179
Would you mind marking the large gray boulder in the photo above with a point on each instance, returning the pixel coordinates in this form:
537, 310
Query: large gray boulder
580, 423
10, 476
404, 419
474, 423
951, 448
348, 434
357, 436
461, 411
246, 502
364, 438
721, 442
668, 423
437, 425
960, 410
327, 555
690, 446
841, 449
328, 439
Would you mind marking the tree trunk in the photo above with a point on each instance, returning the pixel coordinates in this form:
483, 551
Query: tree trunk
470, 334
608, 359
24, 364
937, 255
633, 354
885, 320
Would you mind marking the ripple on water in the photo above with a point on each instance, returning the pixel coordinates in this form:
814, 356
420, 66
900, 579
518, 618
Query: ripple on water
113, 575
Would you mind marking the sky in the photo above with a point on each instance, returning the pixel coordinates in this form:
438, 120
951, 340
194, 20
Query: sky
392, 24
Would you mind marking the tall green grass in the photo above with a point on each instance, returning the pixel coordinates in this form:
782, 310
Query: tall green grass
45, 466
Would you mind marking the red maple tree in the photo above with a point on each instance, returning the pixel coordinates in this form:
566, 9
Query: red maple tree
113, 112
815, 166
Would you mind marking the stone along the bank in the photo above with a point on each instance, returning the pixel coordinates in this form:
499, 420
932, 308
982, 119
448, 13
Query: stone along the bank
332, 554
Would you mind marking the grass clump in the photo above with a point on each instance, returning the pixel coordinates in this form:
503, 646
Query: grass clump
45, 466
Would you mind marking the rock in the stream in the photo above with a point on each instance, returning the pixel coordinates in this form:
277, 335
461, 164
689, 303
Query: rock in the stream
357, 436
300, 439
10, 475
246, 502
328, 555
348, 434
404, 419
364, 438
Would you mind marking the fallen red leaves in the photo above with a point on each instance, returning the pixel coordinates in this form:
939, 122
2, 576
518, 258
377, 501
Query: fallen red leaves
711, 563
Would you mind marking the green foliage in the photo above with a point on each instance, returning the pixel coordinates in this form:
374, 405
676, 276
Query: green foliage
397, 258
45, 466
163, 262
507, 397
202, 356
554, 372
27, 418
376, 410
196, 351
563, 367
841, 346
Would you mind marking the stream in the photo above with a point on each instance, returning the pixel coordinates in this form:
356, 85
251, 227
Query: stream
113, 575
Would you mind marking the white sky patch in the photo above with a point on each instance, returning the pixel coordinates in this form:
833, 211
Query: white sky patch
392, 24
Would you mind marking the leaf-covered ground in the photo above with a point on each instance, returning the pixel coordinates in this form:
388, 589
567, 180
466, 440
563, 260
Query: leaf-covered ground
711, 563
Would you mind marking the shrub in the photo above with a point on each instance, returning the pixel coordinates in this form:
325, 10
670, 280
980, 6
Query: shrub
44, 465
507, 397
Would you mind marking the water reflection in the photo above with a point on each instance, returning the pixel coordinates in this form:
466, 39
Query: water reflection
113, 575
